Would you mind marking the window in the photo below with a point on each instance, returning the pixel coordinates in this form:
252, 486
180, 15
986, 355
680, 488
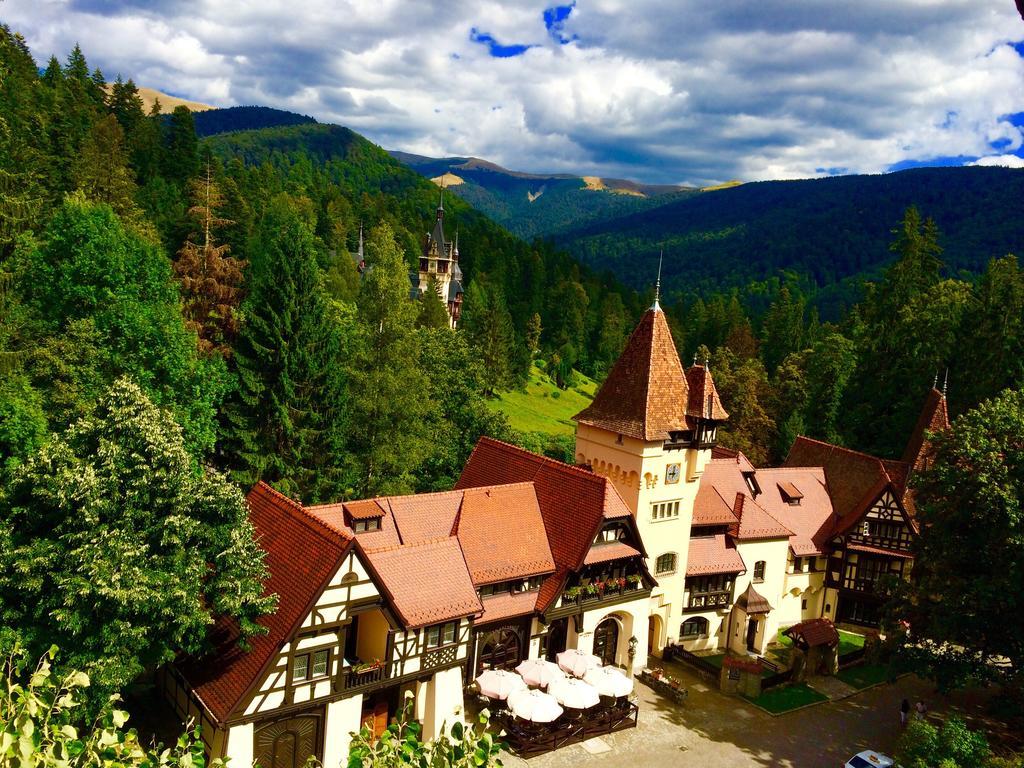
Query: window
321, 663
798, 565
803, 604
665, 510
441, 634
300, 667
759, 571
693, 628
370, 524
665, 563
610, 534
710, 591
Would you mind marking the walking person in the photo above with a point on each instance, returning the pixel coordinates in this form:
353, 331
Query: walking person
922, 709
904, 711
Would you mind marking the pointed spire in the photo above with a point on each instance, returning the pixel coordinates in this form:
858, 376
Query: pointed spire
360, 251
935, 381
656, 306
945, 383
440, 204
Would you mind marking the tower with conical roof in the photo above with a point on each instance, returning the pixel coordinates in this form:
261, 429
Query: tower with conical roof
650, 429
440, 264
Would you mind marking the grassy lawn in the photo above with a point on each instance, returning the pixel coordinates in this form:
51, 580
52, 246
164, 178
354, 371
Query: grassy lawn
864, 675
787, 697
543, 407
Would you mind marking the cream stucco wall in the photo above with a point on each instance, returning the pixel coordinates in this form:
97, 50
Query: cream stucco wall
343, 719
239, 747
775, 554
632, 619
638, 471
443, 702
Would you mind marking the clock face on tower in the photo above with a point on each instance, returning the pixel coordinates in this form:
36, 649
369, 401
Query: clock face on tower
672, 473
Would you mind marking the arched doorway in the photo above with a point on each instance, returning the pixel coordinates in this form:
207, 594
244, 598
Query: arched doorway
288, 743
557, 637
499, 649
606, 641
654, 635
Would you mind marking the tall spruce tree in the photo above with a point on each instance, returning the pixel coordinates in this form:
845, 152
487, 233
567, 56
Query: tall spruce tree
390, 399
210, 278
432, 310
486, 321
283, 419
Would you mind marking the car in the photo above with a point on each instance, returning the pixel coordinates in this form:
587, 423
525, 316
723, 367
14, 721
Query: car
869, 759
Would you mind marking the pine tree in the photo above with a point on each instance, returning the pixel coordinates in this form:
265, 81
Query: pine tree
210, 279
101, 171
432, 311
390, 433
283, 418
485, 320
533, 334
181, 161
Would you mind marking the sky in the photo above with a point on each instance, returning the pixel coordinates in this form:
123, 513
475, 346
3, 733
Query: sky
673, 91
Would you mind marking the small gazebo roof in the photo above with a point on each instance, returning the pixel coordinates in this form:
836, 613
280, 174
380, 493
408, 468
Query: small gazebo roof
752, 601
814, 632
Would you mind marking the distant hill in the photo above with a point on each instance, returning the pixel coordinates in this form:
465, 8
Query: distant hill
149, 96
246, 119
540, 205
831, 230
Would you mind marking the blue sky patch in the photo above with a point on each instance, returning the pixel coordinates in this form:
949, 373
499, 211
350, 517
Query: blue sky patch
554, 21
496, 49
941, 162
1018, 47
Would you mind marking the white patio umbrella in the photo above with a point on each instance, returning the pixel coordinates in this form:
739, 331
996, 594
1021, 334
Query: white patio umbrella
574, 693
609, 681
499, 683
577, 662
539, 672
537, 706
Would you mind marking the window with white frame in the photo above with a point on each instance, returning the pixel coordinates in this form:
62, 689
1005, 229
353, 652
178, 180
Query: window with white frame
693, 628
441, 634
664, 510
759, 570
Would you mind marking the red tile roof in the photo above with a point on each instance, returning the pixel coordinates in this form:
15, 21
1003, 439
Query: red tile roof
814, 632
605, 553
880, 551
934, 418
426, 582
855, 480
502, 534
704, 401
712, 554
507, 606
551, 588
645, 394
812, 520
723, 487
424, 516
302, 553
573, 501
789, 491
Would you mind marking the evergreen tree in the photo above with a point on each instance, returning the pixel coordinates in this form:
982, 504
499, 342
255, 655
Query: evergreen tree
783, 328
181, 161
210, 279
432, 310
284, 417
744, 388
485, 320
390, 435
101, 171
534, 331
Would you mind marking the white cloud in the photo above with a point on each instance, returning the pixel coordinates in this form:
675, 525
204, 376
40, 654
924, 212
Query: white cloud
662, 90
1007, 161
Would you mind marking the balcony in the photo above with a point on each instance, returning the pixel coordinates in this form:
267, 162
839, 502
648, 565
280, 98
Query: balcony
709, 601
365, 675
601, 590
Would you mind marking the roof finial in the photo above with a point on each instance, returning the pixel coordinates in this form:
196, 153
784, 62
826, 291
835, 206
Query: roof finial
945, 383
656, 306
360, 251
935, 381
694, 358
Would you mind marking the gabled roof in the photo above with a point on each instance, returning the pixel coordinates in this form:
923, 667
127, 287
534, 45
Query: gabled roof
506, 606
934, 417
302, 553
812, 520
605, 553
712, 554
704, 402
502, 533
574, 502
724, 497
814, 632
427, 582
646, 395
855, 480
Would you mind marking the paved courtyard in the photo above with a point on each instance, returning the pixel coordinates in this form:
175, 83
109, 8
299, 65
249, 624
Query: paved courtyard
712, 730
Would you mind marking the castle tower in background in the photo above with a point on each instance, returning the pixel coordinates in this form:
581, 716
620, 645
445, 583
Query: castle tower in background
440, 263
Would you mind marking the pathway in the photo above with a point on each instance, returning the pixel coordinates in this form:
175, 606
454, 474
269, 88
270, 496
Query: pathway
830, 686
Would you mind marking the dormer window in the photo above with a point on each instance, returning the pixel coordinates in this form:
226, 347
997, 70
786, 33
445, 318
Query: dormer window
366, 525
611, 534
752, 484
790, 494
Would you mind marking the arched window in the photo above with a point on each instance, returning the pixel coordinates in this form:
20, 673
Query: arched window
759, 570
694, 628
665, 563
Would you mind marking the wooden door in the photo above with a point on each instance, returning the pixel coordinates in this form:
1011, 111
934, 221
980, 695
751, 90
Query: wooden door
606, 641
288, 743
751, 633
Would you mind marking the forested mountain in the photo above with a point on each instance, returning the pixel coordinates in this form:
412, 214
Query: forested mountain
824, 231
538, 205
214, 121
